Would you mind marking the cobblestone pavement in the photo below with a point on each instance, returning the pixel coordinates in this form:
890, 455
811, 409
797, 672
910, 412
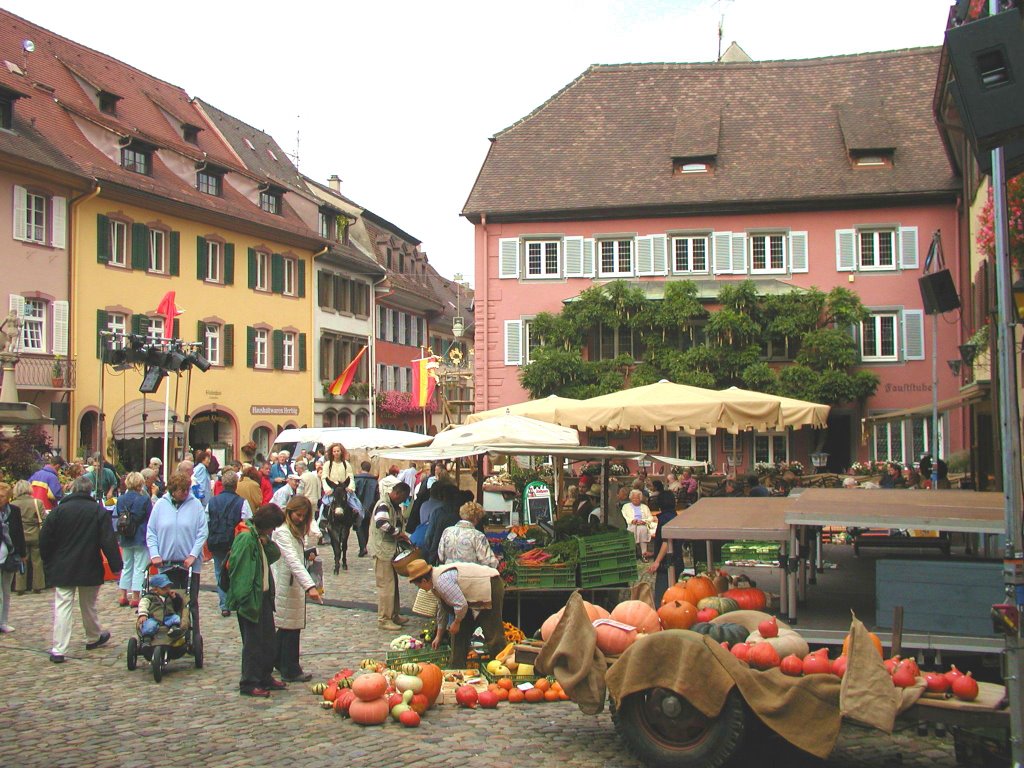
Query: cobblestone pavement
91, 711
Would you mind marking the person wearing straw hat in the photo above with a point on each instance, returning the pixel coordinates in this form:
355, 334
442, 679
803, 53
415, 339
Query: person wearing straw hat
468, 596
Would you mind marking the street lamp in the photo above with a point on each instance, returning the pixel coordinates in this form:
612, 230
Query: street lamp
458, 322
1018, 298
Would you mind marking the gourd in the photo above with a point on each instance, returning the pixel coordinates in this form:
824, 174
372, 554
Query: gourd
721, 632
763, 656
594, 612
612, 640
675, 592
874, 640
788, 642
372, 712
677, 615
748, 598
699, 587
637, 614
370, 687
720, 604
432, 676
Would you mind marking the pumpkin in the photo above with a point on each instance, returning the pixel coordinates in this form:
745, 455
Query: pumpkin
965, 687
675, 592
432, 677
792, 666
637, 614
748, 598
594, 612
787, 642
721, 632
370, 687
764, 656
612, 641
874, 639
707, 614
749, 619
699, 587
343, 703
741, 651
368, 712
720, 604
677, 615
817, 663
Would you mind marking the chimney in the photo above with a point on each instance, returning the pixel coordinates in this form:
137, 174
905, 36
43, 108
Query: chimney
334, 182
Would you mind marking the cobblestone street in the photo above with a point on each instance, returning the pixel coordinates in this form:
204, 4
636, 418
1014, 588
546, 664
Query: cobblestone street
91, 711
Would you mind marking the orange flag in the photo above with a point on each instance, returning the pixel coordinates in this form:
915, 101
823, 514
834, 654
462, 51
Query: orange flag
424, 379
341, 384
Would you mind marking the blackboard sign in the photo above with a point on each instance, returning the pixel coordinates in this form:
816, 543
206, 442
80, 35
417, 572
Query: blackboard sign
536, 503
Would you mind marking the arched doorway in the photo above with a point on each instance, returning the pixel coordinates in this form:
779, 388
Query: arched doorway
138, 432
214, 429
88, 436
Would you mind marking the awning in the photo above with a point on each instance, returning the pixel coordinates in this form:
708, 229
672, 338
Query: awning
672, 461
507, 429
428, 453
127, 422
941, 510
733, 517
964, 398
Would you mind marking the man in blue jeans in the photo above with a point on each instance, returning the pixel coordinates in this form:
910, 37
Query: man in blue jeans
225, 511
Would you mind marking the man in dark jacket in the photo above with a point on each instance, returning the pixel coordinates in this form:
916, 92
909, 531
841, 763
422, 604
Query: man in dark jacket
225, 511
71, 541
369, 494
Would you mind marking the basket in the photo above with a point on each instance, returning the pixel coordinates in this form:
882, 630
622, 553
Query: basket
403, 557
544, 577
427, 655
425, 603
516, 679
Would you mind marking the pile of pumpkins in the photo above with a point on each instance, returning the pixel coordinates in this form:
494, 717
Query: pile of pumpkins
371, 694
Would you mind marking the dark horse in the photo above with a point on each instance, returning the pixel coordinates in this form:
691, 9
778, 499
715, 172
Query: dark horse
341, 516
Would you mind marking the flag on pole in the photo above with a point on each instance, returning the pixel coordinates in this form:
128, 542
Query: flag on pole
341, 384
424, 379
169, 310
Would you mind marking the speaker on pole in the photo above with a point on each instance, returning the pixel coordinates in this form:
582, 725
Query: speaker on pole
59, 413
938, 292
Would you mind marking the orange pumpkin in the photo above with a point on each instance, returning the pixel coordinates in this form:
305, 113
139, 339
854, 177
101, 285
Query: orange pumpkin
699, 587
673, 593
874, 640
369, 686
677, 615
373, 712
748, 599
432, 677
637, 614
534, 695
612, 641
594, 612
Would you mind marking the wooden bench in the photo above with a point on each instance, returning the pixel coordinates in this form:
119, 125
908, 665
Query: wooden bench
901, 542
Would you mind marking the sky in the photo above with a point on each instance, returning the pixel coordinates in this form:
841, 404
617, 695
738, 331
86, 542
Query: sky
400, 98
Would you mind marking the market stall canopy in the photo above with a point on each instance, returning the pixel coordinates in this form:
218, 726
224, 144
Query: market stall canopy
674, 407
795, 413
127, 422
430, 452
674, 462
507, 429
942, 510
542, 409
733, 517
353, 438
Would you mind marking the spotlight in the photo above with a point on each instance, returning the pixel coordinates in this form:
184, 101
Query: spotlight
176, 361
200, 361
151, 381
154, 356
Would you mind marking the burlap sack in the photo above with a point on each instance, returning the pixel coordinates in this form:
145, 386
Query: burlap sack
572, 656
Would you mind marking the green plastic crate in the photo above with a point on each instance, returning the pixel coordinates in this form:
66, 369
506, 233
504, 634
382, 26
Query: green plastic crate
607, 558
441, 656
605, 577
612, 543
545, 576
516, 679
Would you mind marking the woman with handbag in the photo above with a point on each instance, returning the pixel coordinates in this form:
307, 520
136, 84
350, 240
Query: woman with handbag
12, 552
137, 504
293, 586
32, 515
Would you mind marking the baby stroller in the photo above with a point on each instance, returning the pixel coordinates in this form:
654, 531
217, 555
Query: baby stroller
165, 645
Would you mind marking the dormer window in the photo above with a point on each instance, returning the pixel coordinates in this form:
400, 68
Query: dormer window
871, 159
136, 159
210, 182
692, 167
190, 133
270, 200
107, 102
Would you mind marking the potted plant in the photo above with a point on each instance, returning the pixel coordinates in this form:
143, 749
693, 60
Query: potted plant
57, 372
327, 390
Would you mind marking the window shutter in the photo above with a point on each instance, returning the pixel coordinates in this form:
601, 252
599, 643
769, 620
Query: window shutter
588, 257
508, 257
229, 263
140, 246
18, 304
739, 253
644, 256
573, 256
302, 351
59, 230
389, 329
250, 347
301, 271
382, 317
846, 250
722, 245
908, 248
277, 273
201, 258
102, 239
101, 325
228, 344
913, 334
201, 333
321, 288
252, 268
140, 324
175, 253
798, 251
20, 213
659, 254
278, 337
61, 317
401, 328
175, 329
513, 342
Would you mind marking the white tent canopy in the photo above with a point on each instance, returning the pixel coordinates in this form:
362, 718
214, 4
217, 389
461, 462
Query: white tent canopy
353, 438
507, 430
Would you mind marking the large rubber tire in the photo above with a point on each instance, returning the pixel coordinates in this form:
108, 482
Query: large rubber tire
197, 650
665, 731
159, 656
133, 654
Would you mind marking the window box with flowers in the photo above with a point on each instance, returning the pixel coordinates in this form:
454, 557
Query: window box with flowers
393, 403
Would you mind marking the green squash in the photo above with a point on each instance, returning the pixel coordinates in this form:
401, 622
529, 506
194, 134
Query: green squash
725, 632
720, 604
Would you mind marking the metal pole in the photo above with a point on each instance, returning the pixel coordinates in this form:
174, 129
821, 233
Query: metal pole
935, 447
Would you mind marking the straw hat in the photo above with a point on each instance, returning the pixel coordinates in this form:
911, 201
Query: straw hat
417, 569
595, 491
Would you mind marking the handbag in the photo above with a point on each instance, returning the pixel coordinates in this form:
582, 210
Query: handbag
425, 603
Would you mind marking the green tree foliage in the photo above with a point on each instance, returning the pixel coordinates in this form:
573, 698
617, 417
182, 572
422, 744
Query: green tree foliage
678, 339
21, 452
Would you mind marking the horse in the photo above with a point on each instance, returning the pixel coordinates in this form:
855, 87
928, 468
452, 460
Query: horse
341, 516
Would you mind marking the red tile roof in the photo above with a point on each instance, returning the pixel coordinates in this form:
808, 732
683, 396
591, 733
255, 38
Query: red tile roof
605, 142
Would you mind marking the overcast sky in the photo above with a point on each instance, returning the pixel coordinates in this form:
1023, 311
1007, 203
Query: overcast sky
399, 98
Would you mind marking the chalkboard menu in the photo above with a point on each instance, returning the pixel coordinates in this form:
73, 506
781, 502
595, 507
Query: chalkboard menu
536, 503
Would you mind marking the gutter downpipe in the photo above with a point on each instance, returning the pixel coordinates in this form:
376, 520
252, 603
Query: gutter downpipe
315, 304
485, 330
72, 278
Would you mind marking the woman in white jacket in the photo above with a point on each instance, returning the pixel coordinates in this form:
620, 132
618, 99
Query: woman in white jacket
292, 584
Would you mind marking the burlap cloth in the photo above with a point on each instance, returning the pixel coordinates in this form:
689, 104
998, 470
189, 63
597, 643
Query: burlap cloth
806, 711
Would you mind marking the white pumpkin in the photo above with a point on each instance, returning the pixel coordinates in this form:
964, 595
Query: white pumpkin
408, 683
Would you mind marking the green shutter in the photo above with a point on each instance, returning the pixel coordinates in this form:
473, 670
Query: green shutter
101, 325
140, 246
302, 277
277, 273
228, 340
278, 350
102, 239
302, 351
229, 263
250, 346
201, 257
140, 324
252, 268
175, 329
175, 253
201, 333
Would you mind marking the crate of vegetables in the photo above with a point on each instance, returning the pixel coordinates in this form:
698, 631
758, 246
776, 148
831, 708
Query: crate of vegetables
424, 655
552, 566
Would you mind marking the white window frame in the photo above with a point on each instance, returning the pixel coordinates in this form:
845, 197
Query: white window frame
768, 268
118, 243
876, 319
214, 262
212, 343
873, 235
158, 251
260, 343
117, 322
155, 329
262, 271
33, 327
288, 351
290, 277
617, 256
544, 270
692, 449
527, 344
689, 241
765, 446
35, 218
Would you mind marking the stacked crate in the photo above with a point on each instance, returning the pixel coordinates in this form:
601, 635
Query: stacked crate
607, 559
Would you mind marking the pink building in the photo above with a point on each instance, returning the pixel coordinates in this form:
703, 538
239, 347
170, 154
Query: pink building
793, 174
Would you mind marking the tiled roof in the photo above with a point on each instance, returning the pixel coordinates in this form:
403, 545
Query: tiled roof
605, 142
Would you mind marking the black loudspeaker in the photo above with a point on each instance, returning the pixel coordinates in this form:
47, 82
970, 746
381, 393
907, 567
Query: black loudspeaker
987, 58
938, 292
59, 414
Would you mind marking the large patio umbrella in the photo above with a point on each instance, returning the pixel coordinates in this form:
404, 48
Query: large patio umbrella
795, 413
673, 407
543, 409
507, 430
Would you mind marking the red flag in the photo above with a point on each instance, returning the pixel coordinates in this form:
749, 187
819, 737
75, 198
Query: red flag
169, 310
424, 379
341, 384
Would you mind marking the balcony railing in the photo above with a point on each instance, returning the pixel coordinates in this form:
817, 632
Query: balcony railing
41, 372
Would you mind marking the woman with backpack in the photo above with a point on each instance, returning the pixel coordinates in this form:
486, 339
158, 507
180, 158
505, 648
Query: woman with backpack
133, 508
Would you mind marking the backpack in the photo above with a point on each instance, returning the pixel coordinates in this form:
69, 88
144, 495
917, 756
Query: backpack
126, 524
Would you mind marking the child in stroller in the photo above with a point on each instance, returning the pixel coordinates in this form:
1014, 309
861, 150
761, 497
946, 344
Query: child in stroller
161, 606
